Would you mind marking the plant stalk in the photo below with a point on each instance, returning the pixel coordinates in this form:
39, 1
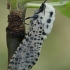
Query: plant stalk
15, 31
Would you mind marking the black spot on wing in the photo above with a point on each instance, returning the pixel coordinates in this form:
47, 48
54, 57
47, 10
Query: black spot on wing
29, 66
47, 26
35, 38
38, 39
41, 38
38, 54
16, 59
30, 34
51, 13
40, 31
43, 33
15, 63
34, 31
31, 47
11, 62
40, 27
34, 43
27, 53
31, 55
38, 22
31, 38
41, 17
18, 62
33, 62
27, 39
40, 43
24, 44
27, 61
27, 56
30, 41
35, 35
49, 20
37, 42
20, 48
36, 59
40, 34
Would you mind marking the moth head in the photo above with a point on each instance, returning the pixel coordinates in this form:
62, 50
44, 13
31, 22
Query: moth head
47, 16
42, 7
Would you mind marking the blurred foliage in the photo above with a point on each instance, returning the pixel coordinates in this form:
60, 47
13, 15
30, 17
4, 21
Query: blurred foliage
55, 0
65, 9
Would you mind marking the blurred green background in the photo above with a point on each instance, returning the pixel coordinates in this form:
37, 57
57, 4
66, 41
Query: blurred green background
55, 53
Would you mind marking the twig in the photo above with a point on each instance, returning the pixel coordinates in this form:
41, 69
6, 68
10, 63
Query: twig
15, 31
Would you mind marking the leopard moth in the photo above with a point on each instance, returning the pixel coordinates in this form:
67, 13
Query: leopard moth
29, 49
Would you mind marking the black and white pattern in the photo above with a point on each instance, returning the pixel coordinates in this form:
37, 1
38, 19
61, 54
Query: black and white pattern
28, 51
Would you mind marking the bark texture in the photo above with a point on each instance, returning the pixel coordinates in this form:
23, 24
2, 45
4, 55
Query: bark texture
15, 31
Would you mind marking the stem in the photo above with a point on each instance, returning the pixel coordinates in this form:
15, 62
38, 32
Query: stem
15, 31
37, 5
13, 4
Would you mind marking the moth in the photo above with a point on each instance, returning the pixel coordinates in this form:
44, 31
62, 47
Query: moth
27, 54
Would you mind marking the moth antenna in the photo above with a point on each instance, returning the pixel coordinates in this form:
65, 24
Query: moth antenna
36, 16
44, 1
26, 24
28, 18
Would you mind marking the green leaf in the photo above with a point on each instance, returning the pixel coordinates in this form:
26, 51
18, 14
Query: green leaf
65, 9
